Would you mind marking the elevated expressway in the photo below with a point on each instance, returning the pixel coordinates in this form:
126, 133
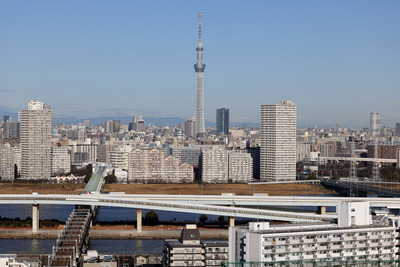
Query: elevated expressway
174, 203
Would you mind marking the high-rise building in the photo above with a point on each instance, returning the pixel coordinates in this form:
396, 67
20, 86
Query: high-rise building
199, 104
278, 142
108, 127
398, 129
6, 118
11, 129
222, 121
36, 127
375, 124
7, 162
138, 124
116, 126
190, 128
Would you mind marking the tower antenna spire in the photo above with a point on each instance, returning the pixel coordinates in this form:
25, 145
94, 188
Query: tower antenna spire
199, 26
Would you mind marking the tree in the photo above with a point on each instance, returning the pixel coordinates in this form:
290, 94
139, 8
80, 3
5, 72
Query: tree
221, 220
203, 218
111, 179
151, 218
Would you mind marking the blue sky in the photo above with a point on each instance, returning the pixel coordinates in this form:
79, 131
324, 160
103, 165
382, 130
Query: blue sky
337, 60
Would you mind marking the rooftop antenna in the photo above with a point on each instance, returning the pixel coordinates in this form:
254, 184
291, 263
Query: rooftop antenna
199, 26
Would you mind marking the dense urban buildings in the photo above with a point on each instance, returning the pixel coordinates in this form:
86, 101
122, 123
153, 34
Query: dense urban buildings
36, 128
199, 104
222, 125
278, 142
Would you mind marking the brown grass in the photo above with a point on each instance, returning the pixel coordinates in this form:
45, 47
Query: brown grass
29, 188
217, 189
171, 189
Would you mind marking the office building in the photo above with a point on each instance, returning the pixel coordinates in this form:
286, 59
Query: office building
190, 128
11, 129
354, 238
116, 126
199, 104
36, 127
222, 126
108, 127
375, 124
6, 118
278, 142
398, 129
189, 250
138, 124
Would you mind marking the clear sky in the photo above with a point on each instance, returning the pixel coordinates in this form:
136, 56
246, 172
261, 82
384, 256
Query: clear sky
337, 60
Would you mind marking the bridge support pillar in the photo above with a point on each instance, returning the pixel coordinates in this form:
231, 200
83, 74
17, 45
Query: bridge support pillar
232, 219
35, 218
322, 210
139, 220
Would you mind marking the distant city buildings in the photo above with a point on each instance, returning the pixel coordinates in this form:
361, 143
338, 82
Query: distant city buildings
278, 142
138, 124
222, 125
36, 128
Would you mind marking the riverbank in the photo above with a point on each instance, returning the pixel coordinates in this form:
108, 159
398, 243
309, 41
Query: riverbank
112, 234
177, 189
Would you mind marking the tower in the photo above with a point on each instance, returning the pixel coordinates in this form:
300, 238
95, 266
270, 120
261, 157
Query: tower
36, 127
199, 68
222, 121
375, 124
278, 142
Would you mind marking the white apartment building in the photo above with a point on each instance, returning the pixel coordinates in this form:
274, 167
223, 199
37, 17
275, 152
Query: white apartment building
60, 160
214, 167
240, 167
36, 127
83, 153
354, 238
278, 142
119, 158
151, 166
7, 162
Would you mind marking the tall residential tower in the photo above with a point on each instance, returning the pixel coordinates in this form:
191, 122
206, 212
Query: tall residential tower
278, 142
36, 127
199, 68
375, 124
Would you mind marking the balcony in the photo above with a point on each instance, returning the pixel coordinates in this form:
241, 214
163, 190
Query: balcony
334, 247
267, 251
308, 241
280, 250
294, 258
335, 239
308, 257
347, 254
295, 249
322, 256
308, 249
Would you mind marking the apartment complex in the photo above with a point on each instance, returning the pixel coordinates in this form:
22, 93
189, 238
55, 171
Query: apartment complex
151, 166
222, 166
36, 127
7, 162
278, 142
353, 238
189, 250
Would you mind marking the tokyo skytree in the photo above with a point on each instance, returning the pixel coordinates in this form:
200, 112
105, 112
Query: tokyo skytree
199, 68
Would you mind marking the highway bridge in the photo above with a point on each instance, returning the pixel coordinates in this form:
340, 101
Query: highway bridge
166, 203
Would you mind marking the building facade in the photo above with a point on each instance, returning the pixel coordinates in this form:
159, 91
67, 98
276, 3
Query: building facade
240, 167
354, 238
7, 162
60, 160
214, 165
278, 142
222, 125
375, 124
36, 127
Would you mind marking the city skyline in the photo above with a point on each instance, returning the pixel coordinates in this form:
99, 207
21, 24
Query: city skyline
337, 61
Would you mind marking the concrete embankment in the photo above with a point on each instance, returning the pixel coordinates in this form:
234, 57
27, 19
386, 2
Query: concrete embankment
111, 234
